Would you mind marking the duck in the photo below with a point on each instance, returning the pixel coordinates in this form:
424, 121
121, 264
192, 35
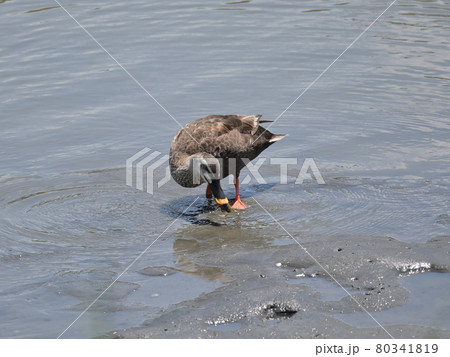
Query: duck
216, 146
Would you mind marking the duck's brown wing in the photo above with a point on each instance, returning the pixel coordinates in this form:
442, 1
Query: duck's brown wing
225, 136
218, 125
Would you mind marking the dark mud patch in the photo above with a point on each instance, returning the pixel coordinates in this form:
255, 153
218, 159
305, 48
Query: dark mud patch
278, 310
157, 271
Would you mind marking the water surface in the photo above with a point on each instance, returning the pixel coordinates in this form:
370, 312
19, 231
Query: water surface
376, 123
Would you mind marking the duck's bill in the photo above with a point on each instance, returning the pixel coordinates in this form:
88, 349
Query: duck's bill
219, 196
226, 208
224, 204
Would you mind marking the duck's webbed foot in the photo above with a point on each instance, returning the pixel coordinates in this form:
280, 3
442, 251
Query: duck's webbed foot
238, 204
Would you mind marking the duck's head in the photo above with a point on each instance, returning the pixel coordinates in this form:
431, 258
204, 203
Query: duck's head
207, 169
204, 169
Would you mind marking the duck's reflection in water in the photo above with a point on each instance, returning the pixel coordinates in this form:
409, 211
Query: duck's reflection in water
183, 248
208, 251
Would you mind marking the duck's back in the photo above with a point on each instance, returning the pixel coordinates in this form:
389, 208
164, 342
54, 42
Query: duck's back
223, 136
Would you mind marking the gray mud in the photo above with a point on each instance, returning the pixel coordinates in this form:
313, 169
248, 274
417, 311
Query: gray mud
274, 292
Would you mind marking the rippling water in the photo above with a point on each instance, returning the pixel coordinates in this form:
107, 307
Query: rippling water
376, 123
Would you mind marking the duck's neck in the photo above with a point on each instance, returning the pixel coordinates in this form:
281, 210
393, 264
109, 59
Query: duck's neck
181, 170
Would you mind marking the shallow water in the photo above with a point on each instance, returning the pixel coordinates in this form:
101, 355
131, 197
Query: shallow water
376, 124
429, 299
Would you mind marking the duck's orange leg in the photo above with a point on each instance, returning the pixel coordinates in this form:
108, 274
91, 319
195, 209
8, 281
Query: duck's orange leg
237, 204
208, 194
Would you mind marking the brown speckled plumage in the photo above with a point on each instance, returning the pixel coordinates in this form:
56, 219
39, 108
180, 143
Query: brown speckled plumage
220, 136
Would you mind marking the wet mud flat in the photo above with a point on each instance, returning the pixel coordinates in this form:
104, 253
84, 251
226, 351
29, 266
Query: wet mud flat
286, 291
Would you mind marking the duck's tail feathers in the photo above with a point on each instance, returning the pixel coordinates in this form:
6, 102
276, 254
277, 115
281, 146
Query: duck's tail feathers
276, 137
254, 121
